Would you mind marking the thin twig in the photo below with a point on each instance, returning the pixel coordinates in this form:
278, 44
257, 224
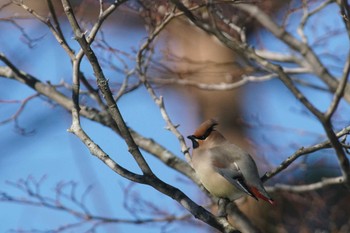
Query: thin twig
223, 86
148, 177
142, 69
93, 114
303, 151
307, 187
339, 93
304, 49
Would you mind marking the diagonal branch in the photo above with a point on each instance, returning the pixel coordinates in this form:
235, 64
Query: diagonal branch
301, 152
102, 83
313, 60
141, 59
303, 48
55, 30
307, 187
339, 93
148, 176
49, 91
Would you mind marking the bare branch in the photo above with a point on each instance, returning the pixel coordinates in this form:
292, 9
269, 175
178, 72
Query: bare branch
306, 16
308, 54
146, 144
307, 187
345, 13
148, 177
303, 151
339, 92
141, 67
28, 40
222, 86
210, 16
66, 201
56, 31
280, 57
23, 103
103, 85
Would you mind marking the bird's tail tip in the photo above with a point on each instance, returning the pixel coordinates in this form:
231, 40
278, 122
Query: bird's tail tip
258, 194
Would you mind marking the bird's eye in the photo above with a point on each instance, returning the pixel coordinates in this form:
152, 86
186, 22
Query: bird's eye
207, 133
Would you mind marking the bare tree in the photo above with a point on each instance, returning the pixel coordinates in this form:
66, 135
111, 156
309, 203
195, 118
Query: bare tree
300, 67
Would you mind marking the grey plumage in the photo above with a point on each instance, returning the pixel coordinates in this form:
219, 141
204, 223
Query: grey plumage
224, 169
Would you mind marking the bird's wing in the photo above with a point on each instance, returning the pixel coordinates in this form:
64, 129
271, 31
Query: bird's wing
230, 171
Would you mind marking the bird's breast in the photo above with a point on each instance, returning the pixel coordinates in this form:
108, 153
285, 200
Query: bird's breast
215, 183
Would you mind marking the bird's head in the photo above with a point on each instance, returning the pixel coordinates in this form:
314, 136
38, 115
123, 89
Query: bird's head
202, 132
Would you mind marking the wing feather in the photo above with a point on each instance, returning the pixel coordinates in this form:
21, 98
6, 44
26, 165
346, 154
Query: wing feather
231, 172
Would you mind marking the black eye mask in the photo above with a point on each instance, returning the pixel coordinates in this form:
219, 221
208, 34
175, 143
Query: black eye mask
194, 139
207, 133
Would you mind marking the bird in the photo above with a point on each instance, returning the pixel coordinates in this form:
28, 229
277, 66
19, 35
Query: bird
224, 169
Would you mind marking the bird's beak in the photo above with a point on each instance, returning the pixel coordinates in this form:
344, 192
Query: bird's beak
195, 143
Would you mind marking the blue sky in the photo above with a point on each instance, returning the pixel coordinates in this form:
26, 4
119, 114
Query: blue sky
51, 152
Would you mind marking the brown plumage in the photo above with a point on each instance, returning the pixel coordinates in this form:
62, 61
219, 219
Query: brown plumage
205, 128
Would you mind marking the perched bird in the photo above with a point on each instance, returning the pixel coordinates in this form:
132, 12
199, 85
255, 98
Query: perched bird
224, 169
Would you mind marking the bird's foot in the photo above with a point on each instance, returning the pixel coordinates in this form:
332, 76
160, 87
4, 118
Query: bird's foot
222, 203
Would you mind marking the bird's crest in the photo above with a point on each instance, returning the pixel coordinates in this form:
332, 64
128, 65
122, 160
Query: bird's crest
205, 129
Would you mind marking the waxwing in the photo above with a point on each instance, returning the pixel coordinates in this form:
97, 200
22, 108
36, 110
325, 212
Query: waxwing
224, 169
